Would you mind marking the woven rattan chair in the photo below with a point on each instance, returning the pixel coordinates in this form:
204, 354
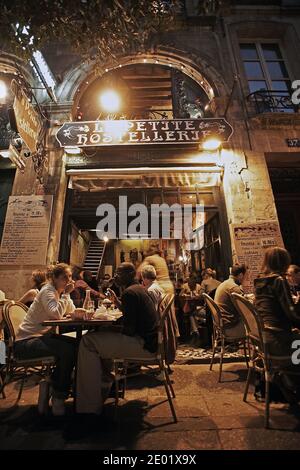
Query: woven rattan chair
260, 360
158, 360
20, 369
219, 334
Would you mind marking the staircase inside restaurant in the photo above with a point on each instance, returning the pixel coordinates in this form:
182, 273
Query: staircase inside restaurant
94, 257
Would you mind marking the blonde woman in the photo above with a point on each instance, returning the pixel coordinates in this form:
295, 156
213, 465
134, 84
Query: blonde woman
34, 340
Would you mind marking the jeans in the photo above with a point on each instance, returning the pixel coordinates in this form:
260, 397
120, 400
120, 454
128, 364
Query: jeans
63, 348
96, 352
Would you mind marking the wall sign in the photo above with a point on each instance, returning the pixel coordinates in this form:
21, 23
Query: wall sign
250, 241
26, 230
293, 142
123, 132
28, 120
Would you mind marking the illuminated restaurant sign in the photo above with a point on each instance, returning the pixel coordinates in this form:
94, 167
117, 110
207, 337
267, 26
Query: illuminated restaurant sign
122, 132
28, 120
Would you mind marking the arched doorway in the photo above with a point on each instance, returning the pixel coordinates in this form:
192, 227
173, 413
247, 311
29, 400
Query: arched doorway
148, 89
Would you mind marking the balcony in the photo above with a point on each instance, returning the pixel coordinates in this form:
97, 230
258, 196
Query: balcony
269, 101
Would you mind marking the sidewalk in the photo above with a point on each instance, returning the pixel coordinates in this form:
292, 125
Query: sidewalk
211, 416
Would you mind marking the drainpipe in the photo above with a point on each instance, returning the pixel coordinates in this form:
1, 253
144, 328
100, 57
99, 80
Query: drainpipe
237, 76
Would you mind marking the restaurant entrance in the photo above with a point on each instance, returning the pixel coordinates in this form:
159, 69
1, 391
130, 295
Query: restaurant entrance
156, 187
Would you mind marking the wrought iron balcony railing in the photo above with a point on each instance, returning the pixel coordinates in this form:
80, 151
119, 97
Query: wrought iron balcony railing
269, 101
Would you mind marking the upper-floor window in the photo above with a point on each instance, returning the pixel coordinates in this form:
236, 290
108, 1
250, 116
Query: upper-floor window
264, 67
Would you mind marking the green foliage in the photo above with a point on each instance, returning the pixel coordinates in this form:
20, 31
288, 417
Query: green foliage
93, 28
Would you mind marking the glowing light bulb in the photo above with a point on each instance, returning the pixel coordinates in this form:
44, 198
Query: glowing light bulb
3, 90
211, 144
110, 101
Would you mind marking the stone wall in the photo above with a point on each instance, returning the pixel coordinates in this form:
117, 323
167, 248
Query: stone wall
79, 246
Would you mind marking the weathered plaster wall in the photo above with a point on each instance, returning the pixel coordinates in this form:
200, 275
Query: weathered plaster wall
79, 246
247, 189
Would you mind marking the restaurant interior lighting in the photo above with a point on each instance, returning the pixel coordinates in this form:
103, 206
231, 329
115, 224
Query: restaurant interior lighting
105, 238
3, 90
110, 101
211, 144
73, 150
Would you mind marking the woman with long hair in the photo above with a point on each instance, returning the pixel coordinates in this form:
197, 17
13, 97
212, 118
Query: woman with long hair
274, 303
35, 340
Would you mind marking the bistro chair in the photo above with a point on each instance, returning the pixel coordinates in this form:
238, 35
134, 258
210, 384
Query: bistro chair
219, 335
20, 369
260, 360
158, 359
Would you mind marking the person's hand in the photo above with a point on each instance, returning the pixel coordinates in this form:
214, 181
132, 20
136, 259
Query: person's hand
111, 295
69, 287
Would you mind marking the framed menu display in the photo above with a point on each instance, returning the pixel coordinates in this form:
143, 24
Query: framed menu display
250, 242
26, 230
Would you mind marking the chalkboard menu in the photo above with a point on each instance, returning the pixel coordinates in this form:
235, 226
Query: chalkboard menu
26, 230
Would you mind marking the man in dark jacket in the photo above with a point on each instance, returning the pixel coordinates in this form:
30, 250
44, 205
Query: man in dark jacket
233, 324
137, 338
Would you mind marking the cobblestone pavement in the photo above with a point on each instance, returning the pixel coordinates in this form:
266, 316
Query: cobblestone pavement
211, 415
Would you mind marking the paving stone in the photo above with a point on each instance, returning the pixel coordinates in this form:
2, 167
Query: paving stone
259, 439
211, 415
177, 441
184, 406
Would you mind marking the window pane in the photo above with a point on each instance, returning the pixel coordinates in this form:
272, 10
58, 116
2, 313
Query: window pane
271, 51
253, 70
248, 51
277, 70
280, 85
257, 85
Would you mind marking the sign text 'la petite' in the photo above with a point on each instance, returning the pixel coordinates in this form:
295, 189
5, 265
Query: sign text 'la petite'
122, 132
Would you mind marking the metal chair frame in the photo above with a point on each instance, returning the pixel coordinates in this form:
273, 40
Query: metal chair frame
260, 359
219, 335
20, 369
121, 364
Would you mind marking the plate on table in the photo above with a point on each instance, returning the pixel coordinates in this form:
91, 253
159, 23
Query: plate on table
108, 316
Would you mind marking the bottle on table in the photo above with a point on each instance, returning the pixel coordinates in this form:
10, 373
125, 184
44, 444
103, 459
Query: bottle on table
87, 299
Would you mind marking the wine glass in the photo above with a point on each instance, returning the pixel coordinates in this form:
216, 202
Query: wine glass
91, 308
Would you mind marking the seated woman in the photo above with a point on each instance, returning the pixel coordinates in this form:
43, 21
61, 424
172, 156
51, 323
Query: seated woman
274, 303
38, 279
35, 340
90, 279
191, 295
209, 283
81, 286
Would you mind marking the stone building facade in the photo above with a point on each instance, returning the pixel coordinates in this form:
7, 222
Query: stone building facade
238, 49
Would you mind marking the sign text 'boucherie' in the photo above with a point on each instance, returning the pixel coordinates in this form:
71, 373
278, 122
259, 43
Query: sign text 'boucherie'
28, 120
122, 132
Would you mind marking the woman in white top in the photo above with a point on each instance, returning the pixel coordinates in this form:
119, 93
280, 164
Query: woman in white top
34, 340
